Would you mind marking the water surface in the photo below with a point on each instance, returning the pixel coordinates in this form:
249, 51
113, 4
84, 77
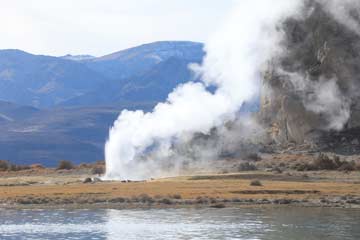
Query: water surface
245, 223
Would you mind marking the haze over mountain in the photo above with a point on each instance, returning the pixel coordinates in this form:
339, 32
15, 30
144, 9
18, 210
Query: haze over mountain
54, 108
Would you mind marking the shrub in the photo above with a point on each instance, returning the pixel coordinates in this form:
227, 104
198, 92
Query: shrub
176, 196
301, 167
99, 170
7, 166
166, 201
202, 200
144, 198
218, 205
347, 166
117, 200
277, 170
247, 167
255, 183
253, 157
324, 162
4, 165
357, 166
65, 165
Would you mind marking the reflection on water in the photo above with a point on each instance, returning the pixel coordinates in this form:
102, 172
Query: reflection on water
246, 223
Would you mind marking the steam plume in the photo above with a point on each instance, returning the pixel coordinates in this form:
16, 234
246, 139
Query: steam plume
235, 56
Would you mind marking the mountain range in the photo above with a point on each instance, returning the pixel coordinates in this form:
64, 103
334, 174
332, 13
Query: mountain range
56, 108
45, 81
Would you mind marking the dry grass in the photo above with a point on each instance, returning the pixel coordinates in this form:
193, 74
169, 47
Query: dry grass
186, 187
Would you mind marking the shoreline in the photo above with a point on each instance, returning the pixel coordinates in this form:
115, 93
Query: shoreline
208, 190
248, 203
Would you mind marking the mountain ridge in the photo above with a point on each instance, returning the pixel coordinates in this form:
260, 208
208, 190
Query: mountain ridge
47, 81
74, 125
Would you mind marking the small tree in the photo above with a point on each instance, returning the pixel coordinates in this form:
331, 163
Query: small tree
255, 183
65, 165
4, 165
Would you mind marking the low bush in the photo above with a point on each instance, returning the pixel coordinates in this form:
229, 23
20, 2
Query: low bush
144, 198
218, 205
202, 200
246, 167
166, 201
255, 183
253, 157
324, 162
357, 166
99, 170
276, 170
347, 166
65, 165
301, 167
8, 166
4, 165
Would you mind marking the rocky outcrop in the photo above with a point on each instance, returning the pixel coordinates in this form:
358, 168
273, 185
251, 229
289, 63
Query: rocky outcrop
312, 89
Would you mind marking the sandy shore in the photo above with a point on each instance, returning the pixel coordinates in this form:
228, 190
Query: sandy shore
67, 190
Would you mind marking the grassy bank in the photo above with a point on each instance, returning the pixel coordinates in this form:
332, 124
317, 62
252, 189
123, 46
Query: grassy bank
66, 189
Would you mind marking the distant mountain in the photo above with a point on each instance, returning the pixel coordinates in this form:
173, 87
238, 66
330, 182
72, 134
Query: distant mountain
138, 60
43, 81
149, 87
73, 100
146, 73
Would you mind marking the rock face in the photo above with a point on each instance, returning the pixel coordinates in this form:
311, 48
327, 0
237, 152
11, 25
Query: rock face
313, 87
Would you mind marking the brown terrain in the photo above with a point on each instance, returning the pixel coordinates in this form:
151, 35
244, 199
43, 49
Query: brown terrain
282, 184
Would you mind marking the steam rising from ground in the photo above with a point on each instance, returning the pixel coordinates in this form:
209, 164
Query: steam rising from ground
141, 145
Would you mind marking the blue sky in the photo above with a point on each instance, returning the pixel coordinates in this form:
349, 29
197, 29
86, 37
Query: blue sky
98, 27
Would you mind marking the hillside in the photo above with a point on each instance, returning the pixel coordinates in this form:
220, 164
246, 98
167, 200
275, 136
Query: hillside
147, 88
138, 60
73, 100
45, 82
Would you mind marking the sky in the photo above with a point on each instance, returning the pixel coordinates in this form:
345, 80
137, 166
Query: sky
99, 27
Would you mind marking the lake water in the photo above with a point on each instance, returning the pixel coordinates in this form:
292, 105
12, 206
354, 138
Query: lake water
245, 223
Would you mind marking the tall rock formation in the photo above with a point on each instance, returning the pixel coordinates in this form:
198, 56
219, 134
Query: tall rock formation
312, 88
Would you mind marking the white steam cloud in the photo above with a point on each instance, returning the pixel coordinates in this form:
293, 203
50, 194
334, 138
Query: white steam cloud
235, 57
